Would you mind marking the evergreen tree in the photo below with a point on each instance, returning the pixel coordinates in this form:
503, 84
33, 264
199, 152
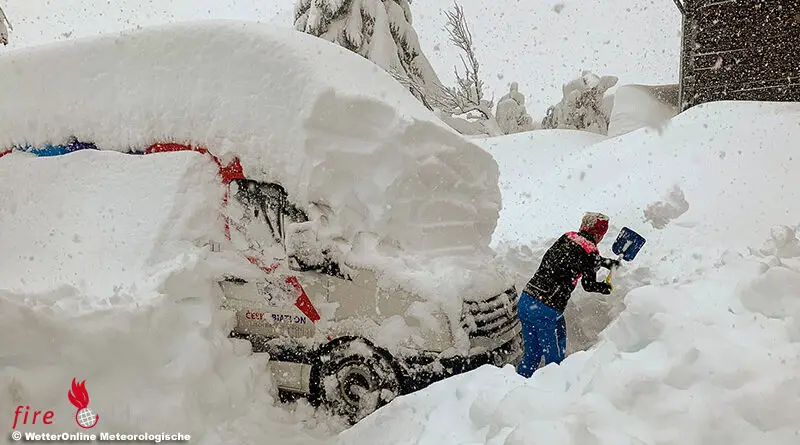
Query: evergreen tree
379, 30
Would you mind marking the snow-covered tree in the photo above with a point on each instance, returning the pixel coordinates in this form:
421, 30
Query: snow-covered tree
382, 31
5, 25
511, 114
379, 30
464, 107
582, 106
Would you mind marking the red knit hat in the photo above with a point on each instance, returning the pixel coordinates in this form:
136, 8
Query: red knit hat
595, 224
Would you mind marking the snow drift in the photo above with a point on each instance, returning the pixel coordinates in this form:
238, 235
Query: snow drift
730, 161
706, 346
708, 175
323, 122
711, 362
106, 277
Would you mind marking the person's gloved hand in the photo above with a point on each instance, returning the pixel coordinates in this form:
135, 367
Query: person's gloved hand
610, 264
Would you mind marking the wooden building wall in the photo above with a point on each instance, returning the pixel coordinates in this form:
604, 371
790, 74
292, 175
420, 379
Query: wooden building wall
740, 50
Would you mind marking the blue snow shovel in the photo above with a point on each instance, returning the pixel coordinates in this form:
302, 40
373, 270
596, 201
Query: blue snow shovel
626, 246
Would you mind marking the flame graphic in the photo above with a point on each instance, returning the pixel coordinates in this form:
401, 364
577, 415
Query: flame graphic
78, 395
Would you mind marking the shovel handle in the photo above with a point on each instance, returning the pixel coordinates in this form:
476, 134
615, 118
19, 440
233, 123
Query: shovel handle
611, 271
619, 259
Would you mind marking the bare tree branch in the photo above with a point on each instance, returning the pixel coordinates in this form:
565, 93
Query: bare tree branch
465, 100
460, 35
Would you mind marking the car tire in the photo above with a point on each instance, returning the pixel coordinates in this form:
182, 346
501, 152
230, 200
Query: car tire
353, 379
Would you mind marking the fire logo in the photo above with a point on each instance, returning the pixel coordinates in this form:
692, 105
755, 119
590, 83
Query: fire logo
79, 397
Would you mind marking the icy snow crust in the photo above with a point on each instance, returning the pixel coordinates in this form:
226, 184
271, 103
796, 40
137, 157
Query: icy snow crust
325, 123
707, 345
106, 277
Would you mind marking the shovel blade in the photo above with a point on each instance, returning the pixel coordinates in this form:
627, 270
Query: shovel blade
628, 244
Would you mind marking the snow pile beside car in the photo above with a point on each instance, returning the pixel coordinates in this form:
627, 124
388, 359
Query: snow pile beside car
321, 121
105, 277
713, 361
707, 344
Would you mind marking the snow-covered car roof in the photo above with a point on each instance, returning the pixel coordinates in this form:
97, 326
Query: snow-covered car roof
325, 123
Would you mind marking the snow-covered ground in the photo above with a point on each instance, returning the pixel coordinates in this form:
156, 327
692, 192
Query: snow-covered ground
704, 349
727, 160
526, 161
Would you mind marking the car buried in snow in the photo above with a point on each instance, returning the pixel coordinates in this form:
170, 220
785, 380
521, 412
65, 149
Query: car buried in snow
359, 222
335, 358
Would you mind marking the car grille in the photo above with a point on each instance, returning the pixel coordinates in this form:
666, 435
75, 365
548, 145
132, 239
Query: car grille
490, 317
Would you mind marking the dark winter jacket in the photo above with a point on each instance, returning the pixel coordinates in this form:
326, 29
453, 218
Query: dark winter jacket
574, 256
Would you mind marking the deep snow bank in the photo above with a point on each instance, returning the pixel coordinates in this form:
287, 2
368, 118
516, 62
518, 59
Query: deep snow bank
705, 349
730, 162
325, 123
703, 182
711, 362
105, 277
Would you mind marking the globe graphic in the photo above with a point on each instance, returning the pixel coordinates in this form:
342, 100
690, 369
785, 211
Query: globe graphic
85, 418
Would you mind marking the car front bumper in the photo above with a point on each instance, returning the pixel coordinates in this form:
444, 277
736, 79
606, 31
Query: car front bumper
427, 368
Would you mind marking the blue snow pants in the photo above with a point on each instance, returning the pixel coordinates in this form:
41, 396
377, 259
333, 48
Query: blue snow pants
544, 333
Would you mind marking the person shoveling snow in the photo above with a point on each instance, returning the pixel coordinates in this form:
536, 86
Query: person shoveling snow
574, 256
